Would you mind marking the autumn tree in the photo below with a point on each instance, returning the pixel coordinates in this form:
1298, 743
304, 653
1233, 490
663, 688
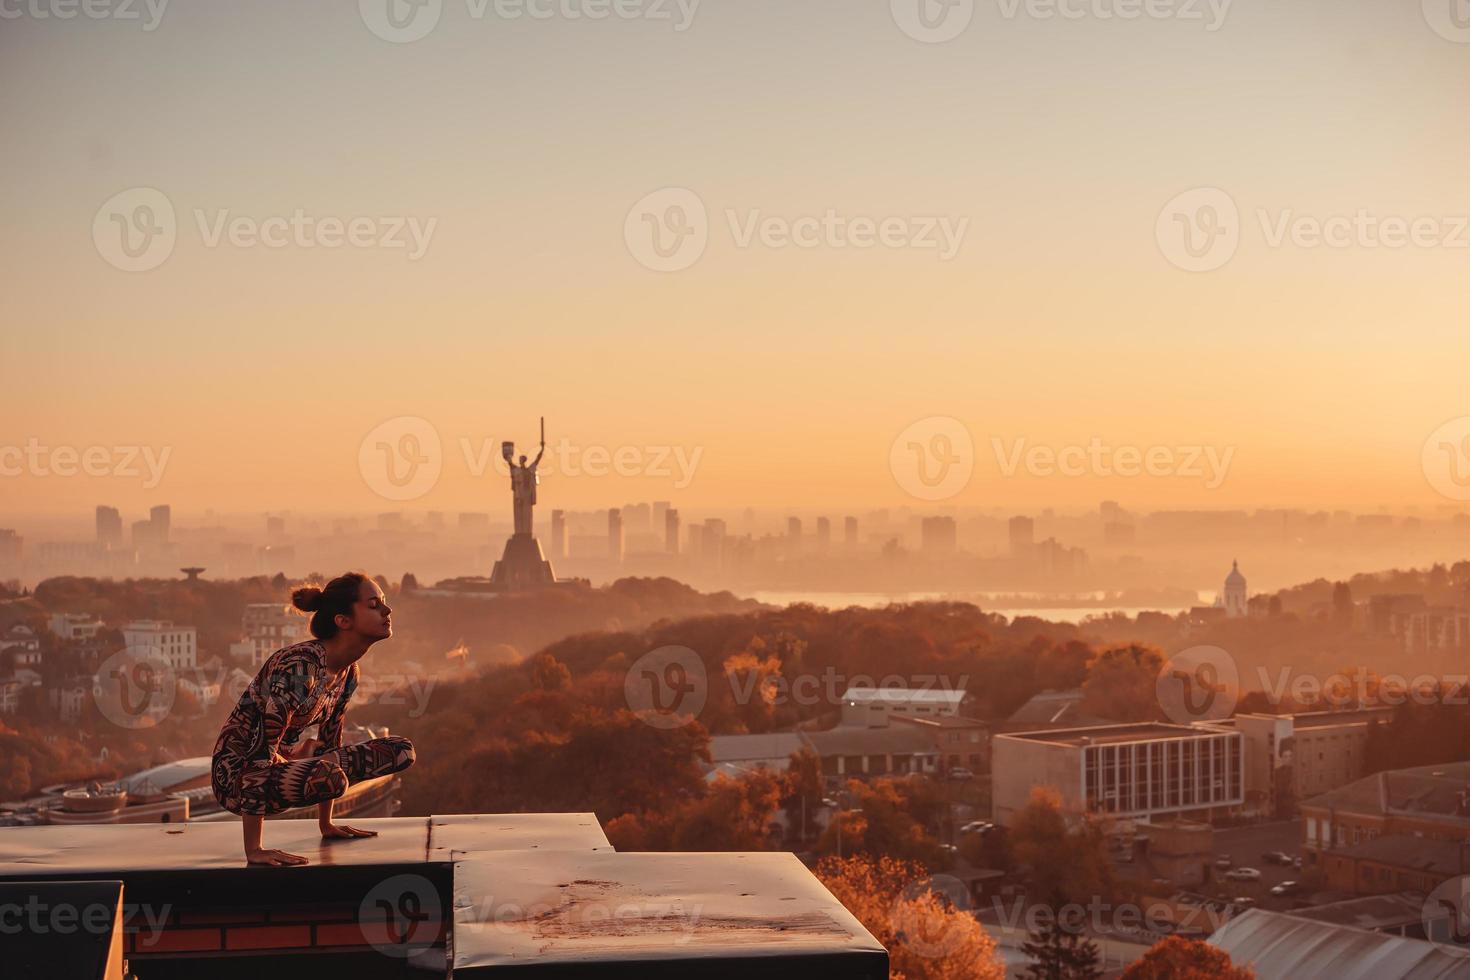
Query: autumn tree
1122, 683
803, 791
881, 822
927, 934
1177, 958
1066, 864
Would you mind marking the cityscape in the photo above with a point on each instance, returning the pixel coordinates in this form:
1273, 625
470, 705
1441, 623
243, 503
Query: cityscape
712, 489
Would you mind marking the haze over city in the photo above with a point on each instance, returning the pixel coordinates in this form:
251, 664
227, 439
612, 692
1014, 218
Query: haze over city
929, 489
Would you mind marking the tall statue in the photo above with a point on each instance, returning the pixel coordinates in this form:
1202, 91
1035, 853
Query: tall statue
523, 481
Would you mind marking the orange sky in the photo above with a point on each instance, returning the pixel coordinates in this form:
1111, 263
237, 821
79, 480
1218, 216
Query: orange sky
788, 372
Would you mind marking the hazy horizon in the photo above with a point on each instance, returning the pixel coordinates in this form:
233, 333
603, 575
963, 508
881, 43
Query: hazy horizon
522, 150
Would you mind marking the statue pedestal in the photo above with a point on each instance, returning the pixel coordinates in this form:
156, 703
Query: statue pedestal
522, 566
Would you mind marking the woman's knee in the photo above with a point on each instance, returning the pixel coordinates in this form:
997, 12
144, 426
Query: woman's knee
328, 782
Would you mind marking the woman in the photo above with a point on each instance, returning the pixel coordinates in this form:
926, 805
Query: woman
308, 683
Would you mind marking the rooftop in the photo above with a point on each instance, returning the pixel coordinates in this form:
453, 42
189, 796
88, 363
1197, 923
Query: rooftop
1288, 947
1111, 734
434, 896
1438, 791
902, 695
1440, 857
742, 748
1370, 912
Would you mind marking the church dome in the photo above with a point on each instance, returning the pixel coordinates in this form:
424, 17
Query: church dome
1235, 578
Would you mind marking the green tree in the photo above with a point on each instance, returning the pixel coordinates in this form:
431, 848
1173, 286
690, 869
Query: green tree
1060, 953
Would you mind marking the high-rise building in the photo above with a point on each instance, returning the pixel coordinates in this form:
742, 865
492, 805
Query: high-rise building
474, 522
712, 542
615, 534
144, 537
660, 513
558, 534
161, 517
1023, 537
11, 545
636, 518
109, 528
671, 530
939, 535
824, 533
275, 528
850, 532
793, 528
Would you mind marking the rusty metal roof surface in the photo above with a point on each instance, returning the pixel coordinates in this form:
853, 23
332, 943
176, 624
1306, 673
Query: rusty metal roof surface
612, 914
118, 849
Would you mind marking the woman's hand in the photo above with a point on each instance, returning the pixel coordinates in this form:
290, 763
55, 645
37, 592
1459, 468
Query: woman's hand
307, 749
273, 858
340, 831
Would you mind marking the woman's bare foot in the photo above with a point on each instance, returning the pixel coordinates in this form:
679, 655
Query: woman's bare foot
274, 858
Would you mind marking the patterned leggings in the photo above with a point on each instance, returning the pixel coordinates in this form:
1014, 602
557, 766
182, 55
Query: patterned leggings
262, 790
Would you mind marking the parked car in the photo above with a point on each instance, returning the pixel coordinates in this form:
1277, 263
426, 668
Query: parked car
1243, 902
1286, 888
1296, 862
1243, 874
977, 827
1276, 857
959, 773
1222, 862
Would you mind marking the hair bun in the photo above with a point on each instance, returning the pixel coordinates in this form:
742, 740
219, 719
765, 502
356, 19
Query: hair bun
307, 598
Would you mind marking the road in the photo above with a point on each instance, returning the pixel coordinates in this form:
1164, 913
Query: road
1245, 845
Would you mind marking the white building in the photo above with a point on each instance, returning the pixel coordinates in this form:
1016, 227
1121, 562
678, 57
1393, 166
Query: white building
23, 645
1131, 771
202, 686
268, 626
1234, 596
177, 645
75, 626
9, 695
871, 707
67, 699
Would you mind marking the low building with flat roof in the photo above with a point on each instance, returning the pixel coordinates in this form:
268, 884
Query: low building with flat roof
873, 706
1133, 771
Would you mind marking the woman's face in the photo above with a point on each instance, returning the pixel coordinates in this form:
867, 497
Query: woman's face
371, 613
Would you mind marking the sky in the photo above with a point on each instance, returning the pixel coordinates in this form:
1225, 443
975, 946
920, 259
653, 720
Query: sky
826, 253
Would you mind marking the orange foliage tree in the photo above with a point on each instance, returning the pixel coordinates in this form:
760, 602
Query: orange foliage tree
926, 935
1177, 958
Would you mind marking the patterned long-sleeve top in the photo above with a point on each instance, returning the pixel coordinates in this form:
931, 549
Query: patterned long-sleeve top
293, 690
